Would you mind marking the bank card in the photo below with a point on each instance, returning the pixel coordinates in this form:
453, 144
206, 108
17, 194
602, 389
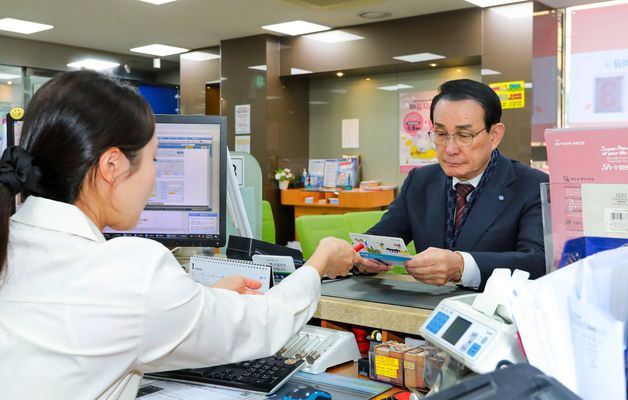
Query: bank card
386, 249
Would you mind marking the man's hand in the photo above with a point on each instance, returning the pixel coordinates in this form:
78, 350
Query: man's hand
368, 265
436, 266
239, 284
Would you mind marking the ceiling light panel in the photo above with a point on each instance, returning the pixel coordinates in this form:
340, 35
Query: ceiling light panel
92, 63
395, 87
258, 67
491, 3
199, 56
294, 28
8, 76
158, 2
515, 11
334, 37
160, 50
20, 26
487, 71
419, 57
299, 71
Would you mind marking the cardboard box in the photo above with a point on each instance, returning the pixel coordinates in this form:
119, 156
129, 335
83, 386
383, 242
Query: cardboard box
413, 365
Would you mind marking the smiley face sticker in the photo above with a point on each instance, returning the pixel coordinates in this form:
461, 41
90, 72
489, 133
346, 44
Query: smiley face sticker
17, 113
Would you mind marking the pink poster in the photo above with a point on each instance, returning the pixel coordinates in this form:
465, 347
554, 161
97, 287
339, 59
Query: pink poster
577, 156
415, 146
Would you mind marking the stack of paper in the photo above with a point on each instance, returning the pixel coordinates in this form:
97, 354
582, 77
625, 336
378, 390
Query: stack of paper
572, 324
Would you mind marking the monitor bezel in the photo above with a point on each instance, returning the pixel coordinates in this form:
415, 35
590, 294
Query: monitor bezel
219, 239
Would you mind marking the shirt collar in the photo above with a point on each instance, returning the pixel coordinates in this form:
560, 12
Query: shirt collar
475, 181
57, 216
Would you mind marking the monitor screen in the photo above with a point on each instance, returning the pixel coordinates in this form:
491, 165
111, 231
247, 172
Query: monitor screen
187, 205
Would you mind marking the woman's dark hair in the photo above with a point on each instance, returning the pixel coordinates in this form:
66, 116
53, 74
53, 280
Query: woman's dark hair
68, 124
467, 89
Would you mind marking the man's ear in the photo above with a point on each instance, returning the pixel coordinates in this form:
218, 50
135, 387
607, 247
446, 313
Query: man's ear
111, 164
497, 134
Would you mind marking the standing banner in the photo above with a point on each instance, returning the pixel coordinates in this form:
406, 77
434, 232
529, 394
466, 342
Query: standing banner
415, 147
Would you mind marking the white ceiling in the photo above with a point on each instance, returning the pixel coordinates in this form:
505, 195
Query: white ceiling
118, 25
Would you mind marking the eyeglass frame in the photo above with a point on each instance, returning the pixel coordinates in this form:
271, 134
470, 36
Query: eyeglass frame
432, 134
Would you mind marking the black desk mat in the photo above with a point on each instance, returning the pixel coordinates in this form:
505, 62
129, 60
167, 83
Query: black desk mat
388, 291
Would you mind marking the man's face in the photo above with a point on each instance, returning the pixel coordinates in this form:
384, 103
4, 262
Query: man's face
464, 117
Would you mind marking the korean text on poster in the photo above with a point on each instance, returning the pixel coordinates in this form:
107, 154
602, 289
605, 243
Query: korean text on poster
415, 147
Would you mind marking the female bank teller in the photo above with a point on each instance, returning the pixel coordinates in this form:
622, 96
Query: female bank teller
84, 318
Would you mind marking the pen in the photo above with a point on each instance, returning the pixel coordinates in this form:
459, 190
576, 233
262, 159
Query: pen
358, 247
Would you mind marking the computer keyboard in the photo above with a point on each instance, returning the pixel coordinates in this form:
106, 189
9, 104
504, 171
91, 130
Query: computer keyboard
264, 375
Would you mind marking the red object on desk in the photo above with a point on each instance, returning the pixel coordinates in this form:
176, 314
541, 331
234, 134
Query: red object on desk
358, 247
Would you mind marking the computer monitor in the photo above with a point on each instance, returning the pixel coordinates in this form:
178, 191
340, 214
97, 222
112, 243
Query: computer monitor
188, 204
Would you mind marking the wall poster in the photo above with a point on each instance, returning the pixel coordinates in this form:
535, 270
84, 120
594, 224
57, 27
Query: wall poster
415, 147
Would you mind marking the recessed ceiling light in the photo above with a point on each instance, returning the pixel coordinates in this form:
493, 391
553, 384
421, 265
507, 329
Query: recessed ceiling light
486, 71
368, 79
491, 3
395, 87
299, 71
258, 67
8, 76
158, 2
199, 56
318, 102
433, 65
294, 28
340, 74
9, 82
92, 63
20, 26
458, 70
375, 14
160, 50
334, 37
419, 57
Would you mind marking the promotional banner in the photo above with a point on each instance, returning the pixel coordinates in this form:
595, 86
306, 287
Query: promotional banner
415, 147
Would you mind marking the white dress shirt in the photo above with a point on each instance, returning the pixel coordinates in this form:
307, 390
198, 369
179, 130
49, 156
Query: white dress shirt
471, 275
84, 318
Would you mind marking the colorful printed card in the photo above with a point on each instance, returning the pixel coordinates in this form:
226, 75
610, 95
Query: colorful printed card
389, 250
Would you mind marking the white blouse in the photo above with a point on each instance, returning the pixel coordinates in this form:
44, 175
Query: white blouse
84, 318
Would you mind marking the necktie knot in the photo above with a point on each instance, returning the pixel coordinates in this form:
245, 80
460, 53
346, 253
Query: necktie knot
463, 189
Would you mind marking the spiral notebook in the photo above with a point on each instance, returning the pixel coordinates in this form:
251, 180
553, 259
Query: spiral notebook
209, 270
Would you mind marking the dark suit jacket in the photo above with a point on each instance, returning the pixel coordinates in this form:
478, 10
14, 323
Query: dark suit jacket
504, 228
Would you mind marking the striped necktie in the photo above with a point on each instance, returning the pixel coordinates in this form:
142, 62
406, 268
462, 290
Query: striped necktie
462, 191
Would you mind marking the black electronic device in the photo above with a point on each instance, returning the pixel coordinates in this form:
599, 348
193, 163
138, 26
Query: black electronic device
188, 205
244, 248
264, 375
514, 382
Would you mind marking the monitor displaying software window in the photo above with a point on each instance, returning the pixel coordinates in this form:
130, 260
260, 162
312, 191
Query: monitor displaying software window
187, 205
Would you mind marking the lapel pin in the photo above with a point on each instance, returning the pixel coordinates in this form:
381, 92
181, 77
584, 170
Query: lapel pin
500, 197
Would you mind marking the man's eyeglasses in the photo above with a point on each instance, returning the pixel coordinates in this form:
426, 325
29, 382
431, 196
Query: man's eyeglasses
462, 139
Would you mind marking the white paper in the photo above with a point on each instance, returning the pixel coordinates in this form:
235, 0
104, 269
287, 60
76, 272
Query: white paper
238, 168
605, 210
243, 119
316, 167
331, 173
598, 337
243, 144
350, 133
209, 270
571, 324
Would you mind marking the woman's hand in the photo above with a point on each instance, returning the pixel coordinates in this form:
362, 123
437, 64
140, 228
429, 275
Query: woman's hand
239, 284
332, 257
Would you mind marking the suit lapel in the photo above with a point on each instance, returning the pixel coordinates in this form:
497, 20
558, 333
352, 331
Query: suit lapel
492, 201
437, 212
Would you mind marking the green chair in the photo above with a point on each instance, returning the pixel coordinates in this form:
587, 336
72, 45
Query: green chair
362, 221
268, 223
312, 228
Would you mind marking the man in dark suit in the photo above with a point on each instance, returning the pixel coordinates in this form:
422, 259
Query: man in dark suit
474, 211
